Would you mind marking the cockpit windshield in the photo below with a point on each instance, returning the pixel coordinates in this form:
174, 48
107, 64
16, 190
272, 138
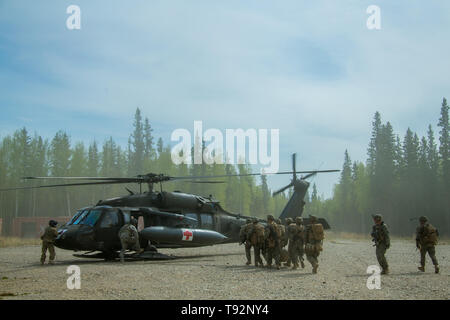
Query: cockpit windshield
78, 218
91, 218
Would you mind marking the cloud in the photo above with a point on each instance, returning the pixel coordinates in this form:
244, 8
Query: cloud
310, 68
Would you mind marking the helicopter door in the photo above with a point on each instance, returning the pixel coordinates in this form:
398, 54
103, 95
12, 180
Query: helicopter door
108, 228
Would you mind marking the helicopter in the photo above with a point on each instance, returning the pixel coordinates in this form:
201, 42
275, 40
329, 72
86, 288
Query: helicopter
170, 219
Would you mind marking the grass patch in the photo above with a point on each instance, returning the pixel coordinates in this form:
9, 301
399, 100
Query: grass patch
6, 242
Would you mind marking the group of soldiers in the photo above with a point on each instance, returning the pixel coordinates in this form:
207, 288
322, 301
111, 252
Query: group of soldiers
426, 240
270, 242
308, 240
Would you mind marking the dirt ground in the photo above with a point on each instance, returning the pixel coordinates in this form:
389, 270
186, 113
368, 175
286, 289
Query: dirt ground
219, 272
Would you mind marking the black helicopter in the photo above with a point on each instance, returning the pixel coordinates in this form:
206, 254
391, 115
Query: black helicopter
170, 219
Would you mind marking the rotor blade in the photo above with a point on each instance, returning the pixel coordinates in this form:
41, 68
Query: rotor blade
137, 179
294, 156
309, 175
203, 181
64, 185
282, 189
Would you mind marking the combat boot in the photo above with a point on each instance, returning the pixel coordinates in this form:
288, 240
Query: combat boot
385, 271
287, 264
315, 269
421, 269
303, 264
436, 269
295, 266
248, 263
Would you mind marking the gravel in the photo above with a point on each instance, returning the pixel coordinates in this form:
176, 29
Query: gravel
219, 272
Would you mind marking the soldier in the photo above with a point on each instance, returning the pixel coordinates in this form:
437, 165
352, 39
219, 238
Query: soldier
129, 238
296, 242
380, 235
313, 242
272, 242
243, 236
256, 236
48, 238
288, 221
426, 239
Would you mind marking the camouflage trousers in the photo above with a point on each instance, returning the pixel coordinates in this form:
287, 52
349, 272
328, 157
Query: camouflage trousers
380, 252
431, 252
248, 253
51, 248
127, 244
258, 250
296, 252
273, 253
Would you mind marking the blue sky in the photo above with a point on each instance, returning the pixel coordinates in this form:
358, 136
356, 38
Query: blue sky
309, 68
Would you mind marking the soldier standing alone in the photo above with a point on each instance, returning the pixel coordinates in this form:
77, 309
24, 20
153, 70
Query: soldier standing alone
380, 235
48, 238
426, 239
244, 238
313, 242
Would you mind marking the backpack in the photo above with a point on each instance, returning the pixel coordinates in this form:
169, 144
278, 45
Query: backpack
317, 232
431, 235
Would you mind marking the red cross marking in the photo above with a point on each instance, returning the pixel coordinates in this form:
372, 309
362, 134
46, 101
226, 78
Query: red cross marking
187, 234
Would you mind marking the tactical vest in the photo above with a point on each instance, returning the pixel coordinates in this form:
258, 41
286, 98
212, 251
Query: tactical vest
317, 232
428, 235
257, 234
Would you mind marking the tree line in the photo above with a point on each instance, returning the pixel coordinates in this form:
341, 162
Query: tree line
22, 155
402, 179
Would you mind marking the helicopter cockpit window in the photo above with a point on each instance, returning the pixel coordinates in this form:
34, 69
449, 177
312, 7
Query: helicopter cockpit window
75, 217
80, 217
110, 219
194, 224
92, 217
207, 221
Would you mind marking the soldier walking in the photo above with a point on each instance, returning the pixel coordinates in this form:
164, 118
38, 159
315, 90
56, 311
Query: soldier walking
296, 242
256, 236
48, 239
313, 242
288, 221
272, 242
129, 238
244, 239
380, 235
426, 240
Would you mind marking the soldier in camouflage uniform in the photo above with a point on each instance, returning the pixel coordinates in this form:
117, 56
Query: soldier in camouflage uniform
256, 236
129, 238
296, 242
380, 235
272, 242
288, 221
312, 246
244, 239
48, 238
426, 239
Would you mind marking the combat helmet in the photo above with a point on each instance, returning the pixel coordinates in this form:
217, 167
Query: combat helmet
52, 223
423, 219
270, 218
289, 221
134, 221
299, 220
377, 217
248, 221
278, 221
255, 220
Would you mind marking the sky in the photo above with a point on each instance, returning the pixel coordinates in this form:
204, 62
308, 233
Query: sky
311, 69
